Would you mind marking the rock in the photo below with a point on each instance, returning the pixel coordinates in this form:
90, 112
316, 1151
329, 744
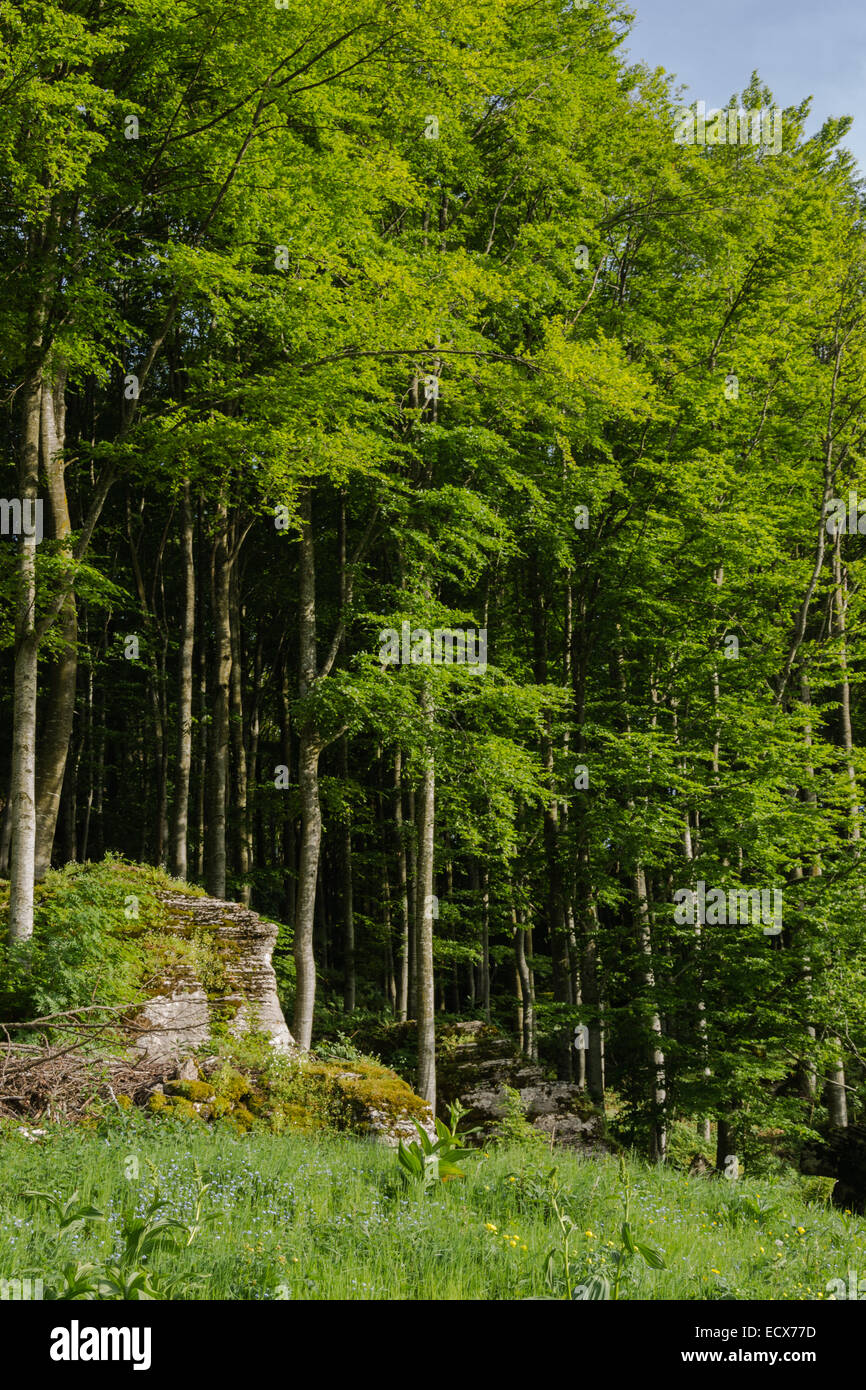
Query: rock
173, 1022
187, 1071
478, 1064
369, 1098
180, 1017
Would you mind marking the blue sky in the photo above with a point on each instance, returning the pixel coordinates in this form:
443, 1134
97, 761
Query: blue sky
800, 48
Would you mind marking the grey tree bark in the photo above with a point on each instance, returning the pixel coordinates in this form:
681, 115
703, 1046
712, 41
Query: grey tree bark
183, 758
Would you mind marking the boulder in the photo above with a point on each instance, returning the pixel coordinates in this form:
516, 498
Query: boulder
181, 1014
478, 1064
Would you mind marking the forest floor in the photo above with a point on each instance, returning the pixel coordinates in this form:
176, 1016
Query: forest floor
324, 1216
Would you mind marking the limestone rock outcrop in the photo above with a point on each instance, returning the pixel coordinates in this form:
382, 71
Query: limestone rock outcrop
235, 946
477, 1064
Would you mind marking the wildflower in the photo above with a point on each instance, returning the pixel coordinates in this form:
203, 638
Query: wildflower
589, 1235
489, 1226
801, 1230
714, 1271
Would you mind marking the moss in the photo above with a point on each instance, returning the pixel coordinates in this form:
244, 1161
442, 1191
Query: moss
289, 1093
299, 1117
181, 1109
232, 1084
124, 1101
190, 1090
259, 1102
217, 1108
347, 1092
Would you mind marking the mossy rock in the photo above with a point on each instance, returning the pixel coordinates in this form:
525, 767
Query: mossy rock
232, 1084
817, 1191
157, 1102
299, 1117
350, 1091
181, 1109
124, 1101
242, 1118
190, 1090
259, 1103
217, 1108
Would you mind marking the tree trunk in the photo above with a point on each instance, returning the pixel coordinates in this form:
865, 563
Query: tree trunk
22, 794
527, 1011
239, 751
305, 908
413, 907
218, 751
183, 762
308, 780
348, 903
289, 853
426, 1084
402, 889
60, 707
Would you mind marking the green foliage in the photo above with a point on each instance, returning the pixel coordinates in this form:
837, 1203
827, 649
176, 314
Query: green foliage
285, 271
129, 1276
341, 1049
514, 1130
426, 1161
322, 1215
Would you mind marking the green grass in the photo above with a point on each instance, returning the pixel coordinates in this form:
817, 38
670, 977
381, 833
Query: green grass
326, 1217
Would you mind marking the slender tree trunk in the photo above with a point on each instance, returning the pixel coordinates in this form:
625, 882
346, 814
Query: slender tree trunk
527, 1012
255, 828
402, 889
239, 751
658, 1130
99, 800
308, 780
23, 781
560, 964
348, 903
485, 943
426, 1084
724, 1143
837, 1096
289, 850
60, 706
311, 839
218, 751
413, 907
89, 763
183, 761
